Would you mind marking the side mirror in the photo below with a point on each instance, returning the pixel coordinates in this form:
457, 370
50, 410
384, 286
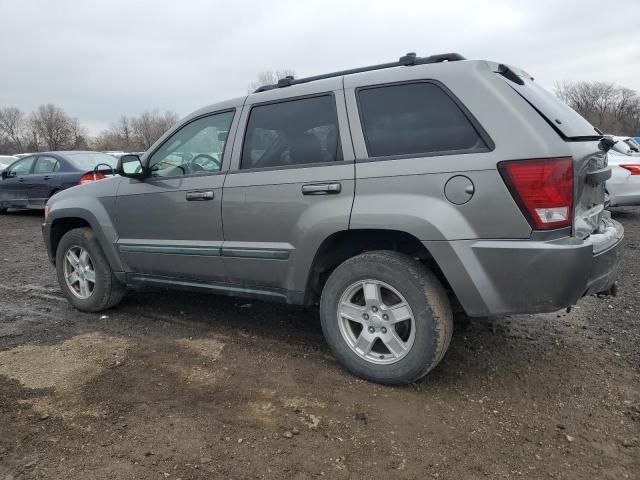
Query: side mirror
130, 166
3, 174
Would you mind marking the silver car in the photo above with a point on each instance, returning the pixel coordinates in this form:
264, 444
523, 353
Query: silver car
390, 196
623, 188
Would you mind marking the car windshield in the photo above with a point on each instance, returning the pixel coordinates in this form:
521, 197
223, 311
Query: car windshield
620, 146
635, 146
89, 160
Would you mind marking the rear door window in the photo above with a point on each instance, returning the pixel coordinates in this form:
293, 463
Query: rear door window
415, 118
45, 164
293, 132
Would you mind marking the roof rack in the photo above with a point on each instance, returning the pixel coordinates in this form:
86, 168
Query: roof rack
405, 61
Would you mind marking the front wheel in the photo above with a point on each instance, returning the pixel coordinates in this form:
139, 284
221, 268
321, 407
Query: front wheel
84, 274
386, 317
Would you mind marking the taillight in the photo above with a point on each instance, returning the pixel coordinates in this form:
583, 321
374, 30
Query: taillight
91, 177
542, 188
633, 168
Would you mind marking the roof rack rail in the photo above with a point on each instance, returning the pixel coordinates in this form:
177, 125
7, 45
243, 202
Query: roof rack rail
405, 61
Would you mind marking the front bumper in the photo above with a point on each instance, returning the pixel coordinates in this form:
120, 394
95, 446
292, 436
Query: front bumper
497, 277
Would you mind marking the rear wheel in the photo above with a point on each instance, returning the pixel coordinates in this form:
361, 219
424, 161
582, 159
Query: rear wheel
84, 274
386, 317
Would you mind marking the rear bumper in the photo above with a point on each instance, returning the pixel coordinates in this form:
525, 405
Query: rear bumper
623, 188
497, 277
624, 199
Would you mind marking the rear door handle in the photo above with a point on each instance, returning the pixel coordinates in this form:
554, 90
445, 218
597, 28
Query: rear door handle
200, 196
322, 189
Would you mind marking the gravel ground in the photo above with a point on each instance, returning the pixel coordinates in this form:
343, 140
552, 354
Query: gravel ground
185, 386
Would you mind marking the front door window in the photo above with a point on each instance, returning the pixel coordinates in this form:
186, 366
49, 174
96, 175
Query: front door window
197, 148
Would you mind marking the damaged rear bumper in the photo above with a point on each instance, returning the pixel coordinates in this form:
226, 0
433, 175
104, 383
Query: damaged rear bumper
497, 277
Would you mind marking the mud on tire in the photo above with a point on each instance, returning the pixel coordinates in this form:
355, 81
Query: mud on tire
107, 291
399, 278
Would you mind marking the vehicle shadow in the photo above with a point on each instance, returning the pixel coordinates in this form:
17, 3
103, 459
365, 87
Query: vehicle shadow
625, 212
477, 346
25, 213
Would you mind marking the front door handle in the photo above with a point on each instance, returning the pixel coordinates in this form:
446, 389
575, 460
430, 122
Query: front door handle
200, 196
21, 179
47, 177
321, 189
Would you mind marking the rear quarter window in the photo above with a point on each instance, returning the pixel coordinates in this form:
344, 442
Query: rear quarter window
415, 118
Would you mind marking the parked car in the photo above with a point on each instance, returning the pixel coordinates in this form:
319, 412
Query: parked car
476, 190
6, 160
30, 181
114, 153
632, 143
623, 188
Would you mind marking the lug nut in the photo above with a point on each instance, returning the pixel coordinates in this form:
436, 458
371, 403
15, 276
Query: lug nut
385, 317
365, 316
371, 329
374, 309
383, 330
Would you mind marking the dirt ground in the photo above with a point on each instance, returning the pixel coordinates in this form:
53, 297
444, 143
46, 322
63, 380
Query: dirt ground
186, 386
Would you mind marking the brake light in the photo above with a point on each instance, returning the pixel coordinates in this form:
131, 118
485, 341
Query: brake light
91, 177
633, 168
542, 188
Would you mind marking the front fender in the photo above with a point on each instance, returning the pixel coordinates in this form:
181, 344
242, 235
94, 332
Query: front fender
93, 203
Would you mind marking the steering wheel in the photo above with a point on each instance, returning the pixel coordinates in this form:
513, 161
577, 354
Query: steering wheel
198, 167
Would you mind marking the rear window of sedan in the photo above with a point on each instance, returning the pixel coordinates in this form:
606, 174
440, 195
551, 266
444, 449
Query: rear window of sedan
89, 160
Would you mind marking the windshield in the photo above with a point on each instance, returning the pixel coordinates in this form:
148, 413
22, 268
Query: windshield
620, 146
89, 160
635, 146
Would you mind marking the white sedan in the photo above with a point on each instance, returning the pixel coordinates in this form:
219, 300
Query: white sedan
623, 187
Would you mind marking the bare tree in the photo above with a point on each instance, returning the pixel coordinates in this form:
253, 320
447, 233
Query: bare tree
149, 126
53, 127
270, 77
79, 135
12, 127
123, 129
611, 108
33, 142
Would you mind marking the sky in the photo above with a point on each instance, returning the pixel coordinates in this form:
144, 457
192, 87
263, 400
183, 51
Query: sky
102, 59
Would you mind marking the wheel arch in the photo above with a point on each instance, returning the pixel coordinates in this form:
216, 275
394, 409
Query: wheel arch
62, 221
343, 245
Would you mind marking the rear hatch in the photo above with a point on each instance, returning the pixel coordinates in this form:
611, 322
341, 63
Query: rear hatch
590, 161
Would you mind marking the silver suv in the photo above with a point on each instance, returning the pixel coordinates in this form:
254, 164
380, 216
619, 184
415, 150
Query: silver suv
390, 195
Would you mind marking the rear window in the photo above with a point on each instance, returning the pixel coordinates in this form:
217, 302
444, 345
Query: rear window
89, 160
563, 118
415, 118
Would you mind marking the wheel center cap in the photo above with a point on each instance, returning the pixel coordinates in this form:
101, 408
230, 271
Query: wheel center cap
375, 320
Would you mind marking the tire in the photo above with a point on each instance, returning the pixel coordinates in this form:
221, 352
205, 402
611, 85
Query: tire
107, 291
398, 277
